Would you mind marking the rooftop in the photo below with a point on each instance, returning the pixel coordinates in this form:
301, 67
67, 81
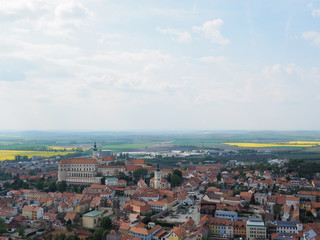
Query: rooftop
93, 213
286, 224
255, 222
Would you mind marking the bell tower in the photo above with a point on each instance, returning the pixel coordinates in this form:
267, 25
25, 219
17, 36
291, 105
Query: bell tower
157, 178
95, 150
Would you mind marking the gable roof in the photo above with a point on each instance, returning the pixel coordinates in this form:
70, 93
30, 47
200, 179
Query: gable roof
79, 161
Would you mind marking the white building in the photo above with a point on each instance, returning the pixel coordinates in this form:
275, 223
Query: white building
256, 229
111, 181
158, 206
288, 227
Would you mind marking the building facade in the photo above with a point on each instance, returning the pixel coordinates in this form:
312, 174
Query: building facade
91, 219
78, 171
158, 181
230, 215
256, 229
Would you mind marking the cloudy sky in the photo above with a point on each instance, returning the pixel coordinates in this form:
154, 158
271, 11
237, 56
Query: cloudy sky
152, 65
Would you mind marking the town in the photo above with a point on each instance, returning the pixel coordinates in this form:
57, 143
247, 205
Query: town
117, 196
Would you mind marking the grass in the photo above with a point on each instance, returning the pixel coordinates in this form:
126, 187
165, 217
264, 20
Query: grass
125, 146
313, 149
10, 154
293, 144
198, 142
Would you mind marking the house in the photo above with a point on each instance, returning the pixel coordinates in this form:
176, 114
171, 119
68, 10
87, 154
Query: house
261, 198
291, 200
139, 207
159, 206
189, 225
31, 212
73, 217
245, 196
230, 215
111, 181
178, 233
83, 206
108, 193
185, 199
50, 216
171, 201
141, 183
91, 219
140, 231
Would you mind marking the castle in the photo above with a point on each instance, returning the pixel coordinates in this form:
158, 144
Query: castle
80, 170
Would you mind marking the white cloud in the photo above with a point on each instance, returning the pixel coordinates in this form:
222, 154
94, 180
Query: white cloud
213, 59
211, 31
13, 7
177, 35
314, 11
312, 36
109, 37
52, 17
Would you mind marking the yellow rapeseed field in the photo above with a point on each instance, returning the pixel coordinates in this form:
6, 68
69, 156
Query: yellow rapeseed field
10, 154
264, 145
65, 148
60, 148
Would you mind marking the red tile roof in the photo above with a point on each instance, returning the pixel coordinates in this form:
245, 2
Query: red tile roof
79, 161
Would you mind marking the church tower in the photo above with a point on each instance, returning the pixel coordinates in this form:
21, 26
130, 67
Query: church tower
157, 178
95, 151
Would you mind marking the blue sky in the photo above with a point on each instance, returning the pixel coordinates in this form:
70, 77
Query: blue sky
152, 65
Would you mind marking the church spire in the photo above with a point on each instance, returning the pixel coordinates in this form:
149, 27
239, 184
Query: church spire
95, 150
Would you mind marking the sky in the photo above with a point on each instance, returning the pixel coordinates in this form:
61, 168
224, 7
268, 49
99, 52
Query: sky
159, 65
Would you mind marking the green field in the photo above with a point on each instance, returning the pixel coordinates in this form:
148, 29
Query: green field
131, 141
126, 146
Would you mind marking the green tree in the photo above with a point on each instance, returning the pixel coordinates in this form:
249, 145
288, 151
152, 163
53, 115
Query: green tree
105, 233
49, 236
40, 185
21, 231
252, 200
106, 223
177, 172
175, 180
52, 187
72, 237
75, 188
62, 186
219, 177
140, 173
69, 225
146, 220
276, 210
3, 226
97, 235
103, 180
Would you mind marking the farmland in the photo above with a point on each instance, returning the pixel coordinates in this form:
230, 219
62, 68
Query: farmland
10, 154
126, 146
300, 144
291, 144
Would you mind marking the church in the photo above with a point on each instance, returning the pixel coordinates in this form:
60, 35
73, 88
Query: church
158, 181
